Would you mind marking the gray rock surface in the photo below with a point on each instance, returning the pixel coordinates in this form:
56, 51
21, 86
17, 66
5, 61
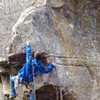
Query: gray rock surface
66, 30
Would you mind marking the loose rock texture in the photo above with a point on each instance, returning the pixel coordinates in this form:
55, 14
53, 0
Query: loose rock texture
67, 30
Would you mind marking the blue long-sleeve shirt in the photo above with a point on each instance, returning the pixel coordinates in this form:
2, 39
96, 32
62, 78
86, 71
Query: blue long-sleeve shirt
28, 72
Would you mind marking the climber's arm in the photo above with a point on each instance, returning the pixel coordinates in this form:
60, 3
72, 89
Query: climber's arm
44, 69
28, 52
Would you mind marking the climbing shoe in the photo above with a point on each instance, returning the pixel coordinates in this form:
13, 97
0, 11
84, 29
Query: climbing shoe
12, 97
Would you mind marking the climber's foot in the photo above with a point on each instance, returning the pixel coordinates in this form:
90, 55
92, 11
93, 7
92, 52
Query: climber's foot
12, 97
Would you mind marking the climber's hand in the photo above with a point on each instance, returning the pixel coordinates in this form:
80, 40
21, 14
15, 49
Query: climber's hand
54, 64
29, 88
27, 42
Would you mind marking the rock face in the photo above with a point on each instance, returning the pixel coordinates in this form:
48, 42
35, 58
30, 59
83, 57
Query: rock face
67, 31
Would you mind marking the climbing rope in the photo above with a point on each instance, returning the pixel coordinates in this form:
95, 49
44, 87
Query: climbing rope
34, 86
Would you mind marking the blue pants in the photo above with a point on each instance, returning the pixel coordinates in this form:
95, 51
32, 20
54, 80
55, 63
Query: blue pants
19, 81
32, 95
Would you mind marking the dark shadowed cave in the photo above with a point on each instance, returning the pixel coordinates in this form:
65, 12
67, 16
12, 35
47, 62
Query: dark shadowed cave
52, 92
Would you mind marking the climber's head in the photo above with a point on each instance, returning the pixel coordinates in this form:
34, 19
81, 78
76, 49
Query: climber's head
40, 56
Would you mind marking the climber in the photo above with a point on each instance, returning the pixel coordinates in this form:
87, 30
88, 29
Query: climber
30, 70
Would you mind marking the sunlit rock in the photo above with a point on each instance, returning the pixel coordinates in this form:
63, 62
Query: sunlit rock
67, 31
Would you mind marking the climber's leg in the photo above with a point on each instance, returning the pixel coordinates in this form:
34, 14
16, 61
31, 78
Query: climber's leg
32, 95
12, 86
